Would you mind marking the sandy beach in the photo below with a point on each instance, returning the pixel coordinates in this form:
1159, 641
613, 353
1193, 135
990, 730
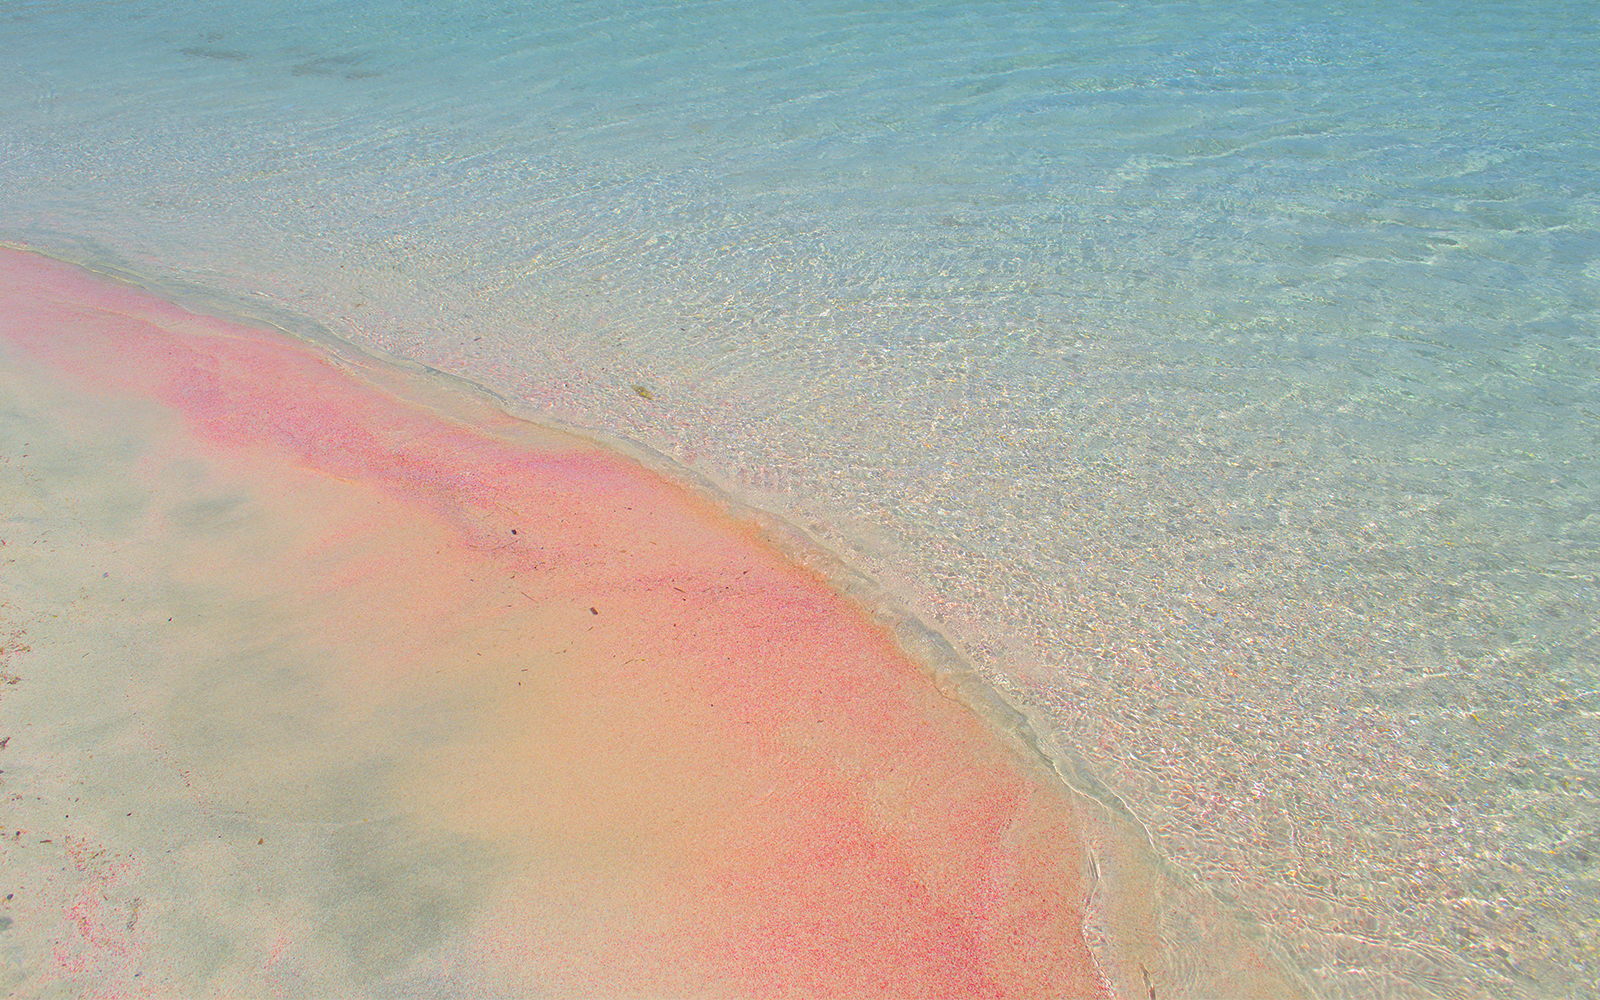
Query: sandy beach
742, 499
323, 679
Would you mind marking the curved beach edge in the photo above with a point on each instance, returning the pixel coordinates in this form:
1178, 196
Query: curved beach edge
1153, 930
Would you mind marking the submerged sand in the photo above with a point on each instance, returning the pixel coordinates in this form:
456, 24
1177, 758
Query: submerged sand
327, 688
324, 677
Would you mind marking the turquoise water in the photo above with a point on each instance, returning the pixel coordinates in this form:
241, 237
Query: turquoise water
1221, 378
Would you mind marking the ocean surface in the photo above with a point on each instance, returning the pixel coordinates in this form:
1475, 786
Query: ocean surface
1222, 379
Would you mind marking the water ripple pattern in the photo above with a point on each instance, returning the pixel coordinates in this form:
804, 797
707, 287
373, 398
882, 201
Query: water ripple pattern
1221, 378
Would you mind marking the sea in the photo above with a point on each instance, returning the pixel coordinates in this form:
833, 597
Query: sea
1219, 380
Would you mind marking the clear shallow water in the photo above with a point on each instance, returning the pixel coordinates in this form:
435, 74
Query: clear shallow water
1221, 378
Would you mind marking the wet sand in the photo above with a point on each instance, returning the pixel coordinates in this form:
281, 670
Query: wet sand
333, 678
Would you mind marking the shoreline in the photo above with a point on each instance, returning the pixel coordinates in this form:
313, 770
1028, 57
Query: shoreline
440, 441
393, 517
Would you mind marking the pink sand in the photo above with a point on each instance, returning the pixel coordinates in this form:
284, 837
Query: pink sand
680, 763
